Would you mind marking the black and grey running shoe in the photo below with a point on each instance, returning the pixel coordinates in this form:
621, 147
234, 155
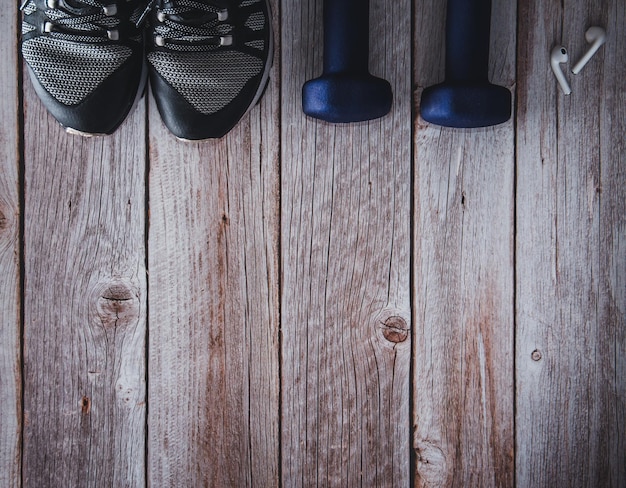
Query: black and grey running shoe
85, 59
209, 62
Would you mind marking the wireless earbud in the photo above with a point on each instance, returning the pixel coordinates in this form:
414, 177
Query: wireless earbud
558, 56
596, 36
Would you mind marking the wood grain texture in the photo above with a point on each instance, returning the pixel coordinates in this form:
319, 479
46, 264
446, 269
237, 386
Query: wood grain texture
571, 251
345, 259
10, 369
281, 338
214, 303
84, 304
463, 268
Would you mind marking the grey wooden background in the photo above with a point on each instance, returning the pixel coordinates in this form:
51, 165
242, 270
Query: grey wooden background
305, 304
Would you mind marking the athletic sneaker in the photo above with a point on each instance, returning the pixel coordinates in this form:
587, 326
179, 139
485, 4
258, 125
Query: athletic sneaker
85, 59
209, 62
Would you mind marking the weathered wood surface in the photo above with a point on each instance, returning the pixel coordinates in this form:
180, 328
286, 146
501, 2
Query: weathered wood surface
10, 377
283, 267
214, 303
84, 304
571, 250
463, 276
345, 260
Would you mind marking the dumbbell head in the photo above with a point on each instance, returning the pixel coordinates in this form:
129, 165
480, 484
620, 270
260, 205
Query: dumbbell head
476, 104
466, 98
346, 91
346, 97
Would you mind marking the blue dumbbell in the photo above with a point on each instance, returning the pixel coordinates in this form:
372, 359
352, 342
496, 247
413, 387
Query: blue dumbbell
346, 91
466, 98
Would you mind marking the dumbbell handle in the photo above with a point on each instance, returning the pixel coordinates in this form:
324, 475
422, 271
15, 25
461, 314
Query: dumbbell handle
346, 36
467, 40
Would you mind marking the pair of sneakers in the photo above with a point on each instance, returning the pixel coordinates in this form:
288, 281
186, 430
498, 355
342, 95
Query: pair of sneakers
208, 61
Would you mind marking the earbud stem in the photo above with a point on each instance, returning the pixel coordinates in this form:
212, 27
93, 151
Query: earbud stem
585, 59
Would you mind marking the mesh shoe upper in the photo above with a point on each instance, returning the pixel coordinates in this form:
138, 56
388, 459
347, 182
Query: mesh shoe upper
71, 71
209, 62
85, 59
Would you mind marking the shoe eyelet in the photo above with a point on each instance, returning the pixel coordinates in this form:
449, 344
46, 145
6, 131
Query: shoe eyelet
109, 10
222, 15
48, 27
52, 4
113, 34
161, 16
159, 41
226, 40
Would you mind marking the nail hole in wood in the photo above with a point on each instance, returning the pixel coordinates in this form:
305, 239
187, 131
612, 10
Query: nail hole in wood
85, 405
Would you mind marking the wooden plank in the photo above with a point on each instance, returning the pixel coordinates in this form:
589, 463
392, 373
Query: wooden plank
214, 273
571, 251
10, 370
345, 259
463, 268
84, 304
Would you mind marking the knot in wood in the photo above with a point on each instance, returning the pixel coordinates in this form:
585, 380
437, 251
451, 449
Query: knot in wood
4, 221
395, 329
431, 463
118, 305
